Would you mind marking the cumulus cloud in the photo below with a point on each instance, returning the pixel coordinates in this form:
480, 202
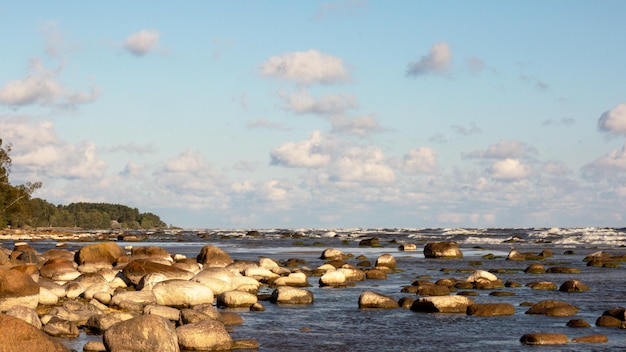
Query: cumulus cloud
421, 160
509, 169
555, 168
437, 61
310, 153
302, 102
614, 120
306, 67
362, 165
502, 150
142, 42
357, 126
608, 166
41, 87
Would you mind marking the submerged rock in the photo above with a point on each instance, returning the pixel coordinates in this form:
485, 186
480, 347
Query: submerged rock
544, 339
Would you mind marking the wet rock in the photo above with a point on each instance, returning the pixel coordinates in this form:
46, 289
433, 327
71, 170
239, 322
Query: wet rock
535, 269
618, 313
138, 268
490, 309
212, 256
103, 252
442, 250
544, 339
230, 318
553, 308
209, 335
432, 290
181, 293
369, 299
236, 299
291, 295
146, 333
19, 336
17, 289
563, 270
514, 254
573, 286
245, 344
596, 338
608, 322
406, 302
578, 323
442, 304
369, 242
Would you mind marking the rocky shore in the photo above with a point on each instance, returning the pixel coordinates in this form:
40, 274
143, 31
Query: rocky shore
145, 298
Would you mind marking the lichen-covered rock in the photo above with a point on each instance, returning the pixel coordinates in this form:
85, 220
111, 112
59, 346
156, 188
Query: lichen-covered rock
369, 299
446, 249
146, 333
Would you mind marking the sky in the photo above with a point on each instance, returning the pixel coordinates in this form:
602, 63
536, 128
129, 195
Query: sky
322, 114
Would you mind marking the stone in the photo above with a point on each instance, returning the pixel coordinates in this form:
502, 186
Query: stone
182, 293
332, 254
47, 297
578, 323
432, 290
61, 328
596, 338
573, 286
442, 304
208, 335
352, 273
28, 315
59, 269
146, 333
553, 308
133, 300
376, 274
212, 256
19, 336
154, 253
168, 313
260, 273
446, 249
291, 295
369, 242
386, 260
490, 309
333, 279
138, 268
563, 270
230, 318
542, 285
608, 322
543, 339
99, 323
481, 274
293, 280
236, 299
268, 263
370, 299
94, 346
103, 252
17, 289
535, 269
406, 247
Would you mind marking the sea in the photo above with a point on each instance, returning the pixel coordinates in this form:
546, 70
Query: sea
334, 321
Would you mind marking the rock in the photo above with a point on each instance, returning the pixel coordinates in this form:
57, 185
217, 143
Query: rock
245, 344
268, 263
542, 285
154, 253
103, 252
442, 250
19, 336
47, 297
490, 309
133, 300
369, 242
386, 260
28, 315
147, 282
61, 328
99, 323
553, 308
544, 339
535, 269
406, 302
146, 333
608, 322
408, 247
578, 323
291, 295
432, 290
563, 270
293, 280
212, 256
94, 346
369, 299
236, 299
333, 279
260, 273
208, 335
352, 273
376, 274
168, 313
442, 304
332, 254
573, 286
28, 269
181, 293
219, 280
59, 269
591, 339
481, 274
17, 289
230, 318
138, 268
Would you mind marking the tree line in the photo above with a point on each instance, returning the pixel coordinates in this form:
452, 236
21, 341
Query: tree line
18, 209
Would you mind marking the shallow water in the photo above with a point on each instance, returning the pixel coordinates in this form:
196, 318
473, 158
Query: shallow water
335, 323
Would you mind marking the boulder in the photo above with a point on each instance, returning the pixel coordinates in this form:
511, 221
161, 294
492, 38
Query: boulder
17, 289
442, 304
607, 321
47, 297
596, 338
332, 254
573, 286
446, 249
208, 335
99, 323
386, 260
293, 280
19, 336
146, 333
168, 313
376, 274
181, 293
153, 253
103, 252
563, 270
369, 299
542, 285
535, 269
28, 315
490, 309
59, 269
352, 273
212, 256
61, 328
578, 323
553, 308
333, 279
369, 242
481, 274
138, 268
291, 295
133, 300
544, 339
408, 247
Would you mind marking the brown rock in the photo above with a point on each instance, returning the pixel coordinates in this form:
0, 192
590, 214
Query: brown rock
138, 268
103, 252
146, 333
535, 269
442, 250
591, 339
442, 304
578, 323
490, 309
542, 285
369, 299
563, 270
17, 335
376, 274
17, 288
552, 308
573, 286
212, 256
544, 339
608, 322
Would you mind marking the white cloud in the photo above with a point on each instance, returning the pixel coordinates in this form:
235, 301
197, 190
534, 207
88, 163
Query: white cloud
40, 87
503, 150
555, 168
302, 102
306, 67
437, 61
609, 166
263, 123
357, 126
509, 169
310, 153
467, 131
142, 42
421, 160
614, 120
362, 165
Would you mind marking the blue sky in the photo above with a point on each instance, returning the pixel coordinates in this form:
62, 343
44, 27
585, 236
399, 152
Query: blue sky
288, 114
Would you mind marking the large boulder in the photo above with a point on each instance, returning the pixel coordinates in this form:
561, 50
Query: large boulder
333, 279
17, 335
207, 335
17, 289
212, 256
138, 268
291, 295
146, 333
181, 293
442, 304
153, 253
59, 269
446, 249
103, 252
369, 299
236, 299
573, 286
